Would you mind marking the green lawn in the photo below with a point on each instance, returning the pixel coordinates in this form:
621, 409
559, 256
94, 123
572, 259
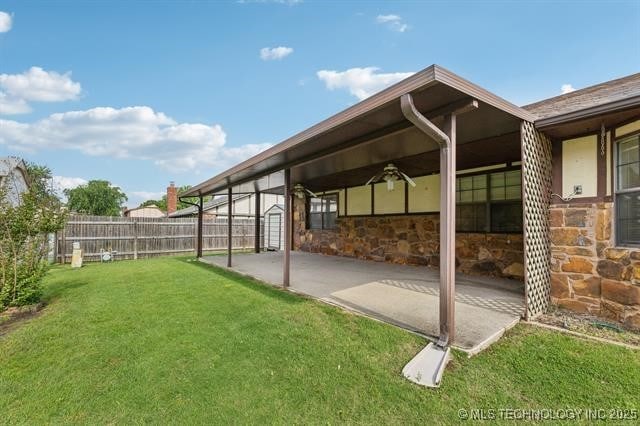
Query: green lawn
171, 341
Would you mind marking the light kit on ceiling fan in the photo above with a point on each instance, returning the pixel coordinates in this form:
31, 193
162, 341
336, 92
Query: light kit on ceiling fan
301, 192
390, 174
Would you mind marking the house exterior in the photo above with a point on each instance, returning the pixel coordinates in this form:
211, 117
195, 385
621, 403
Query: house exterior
243, 206
146, 211
548, 193
13, 175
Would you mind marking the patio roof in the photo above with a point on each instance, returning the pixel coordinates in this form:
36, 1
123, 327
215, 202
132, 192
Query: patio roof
369, 125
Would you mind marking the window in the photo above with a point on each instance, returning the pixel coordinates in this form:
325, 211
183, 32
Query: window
471, 196
506, 207
628, 191
322, 212
489, 202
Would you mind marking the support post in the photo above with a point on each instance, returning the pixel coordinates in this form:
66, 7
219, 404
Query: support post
229, 225
199, 230
257, 224
287, 229
448, 232
446, 138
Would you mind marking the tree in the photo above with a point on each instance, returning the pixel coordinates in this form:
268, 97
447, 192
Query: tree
24, 231
98, 197
41, 183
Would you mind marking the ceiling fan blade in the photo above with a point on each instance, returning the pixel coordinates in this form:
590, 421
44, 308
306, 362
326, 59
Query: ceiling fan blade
311, 193
407, 178
374, 179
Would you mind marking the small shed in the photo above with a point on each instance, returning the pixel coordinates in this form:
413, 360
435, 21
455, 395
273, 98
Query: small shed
274, 227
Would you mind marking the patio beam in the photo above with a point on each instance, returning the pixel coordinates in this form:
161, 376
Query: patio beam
229, 225
286, 264
446, 139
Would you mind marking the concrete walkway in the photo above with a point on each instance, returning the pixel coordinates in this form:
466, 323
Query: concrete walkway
406, 296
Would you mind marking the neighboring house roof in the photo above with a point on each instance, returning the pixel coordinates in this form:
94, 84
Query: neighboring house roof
216, 202
620, 93
150, 206
13, 178
8, 164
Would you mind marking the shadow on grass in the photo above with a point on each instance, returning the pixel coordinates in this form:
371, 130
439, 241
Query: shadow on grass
250, 283
60, 288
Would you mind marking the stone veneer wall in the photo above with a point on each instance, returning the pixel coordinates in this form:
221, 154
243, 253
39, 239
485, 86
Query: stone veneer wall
410, 239
589, 274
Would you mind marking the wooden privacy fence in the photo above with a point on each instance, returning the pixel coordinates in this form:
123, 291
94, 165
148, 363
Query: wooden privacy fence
137, 237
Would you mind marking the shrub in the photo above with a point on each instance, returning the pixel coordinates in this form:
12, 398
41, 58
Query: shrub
24, 233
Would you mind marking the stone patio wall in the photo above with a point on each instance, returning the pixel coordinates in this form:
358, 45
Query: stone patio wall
410, 239
589, 274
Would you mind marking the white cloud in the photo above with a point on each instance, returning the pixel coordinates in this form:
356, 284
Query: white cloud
5, 22
567, 88
393, 22
35, 85
10, 105
275, 53
60, 183
361, 82
133, 132
39, 85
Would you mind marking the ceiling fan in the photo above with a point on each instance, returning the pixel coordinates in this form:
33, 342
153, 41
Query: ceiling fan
390, 174
300, 191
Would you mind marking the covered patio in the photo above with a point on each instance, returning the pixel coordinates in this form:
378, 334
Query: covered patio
478, 162
406, 296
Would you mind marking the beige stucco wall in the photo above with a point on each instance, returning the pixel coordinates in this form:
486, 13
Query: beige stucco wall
358, 200
385, 201
628, 128
425, 196
579, 166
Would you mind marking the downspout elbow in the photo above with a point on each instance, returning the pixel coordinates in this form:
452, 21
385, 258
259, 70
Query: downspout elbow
421, 122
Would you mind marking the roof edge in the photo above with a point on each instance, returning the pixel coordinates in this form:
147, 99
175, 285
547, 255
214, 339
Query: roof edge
453, 80
610, 107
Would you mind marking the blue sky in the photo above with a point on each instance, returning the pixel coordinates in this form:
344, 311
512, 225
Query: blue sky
143, 93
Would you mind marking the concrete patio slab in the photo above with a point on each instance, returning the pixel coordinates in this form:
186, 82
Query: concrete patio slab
406, 296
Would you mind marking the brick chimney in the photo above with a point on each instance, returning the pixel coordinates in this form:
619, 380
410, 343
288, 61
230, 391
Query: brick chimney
172, 198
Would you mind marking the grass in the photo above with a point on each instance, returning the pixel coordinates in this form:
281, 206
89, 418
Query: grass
169, 341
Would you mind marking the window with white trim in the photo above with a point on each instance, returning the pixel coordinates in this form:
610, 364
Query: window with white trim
628, 191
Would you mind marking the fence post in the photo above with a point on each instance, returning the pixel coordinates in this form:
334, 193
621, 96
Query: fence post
63, 248
135, 240
55, 248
